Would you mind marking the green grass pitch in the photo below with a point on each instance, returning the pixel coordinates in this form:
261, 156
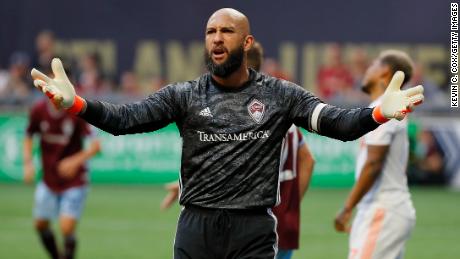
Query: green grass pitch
125, 222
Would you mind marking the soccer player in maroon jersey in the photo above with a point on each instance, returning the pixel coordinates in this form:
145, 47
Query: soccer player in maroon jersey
63, 189
295, 173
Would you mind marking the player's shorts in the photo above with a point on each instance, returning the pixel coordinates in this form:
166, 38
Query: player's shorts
380, 233
48, 204
225, 234
284, 254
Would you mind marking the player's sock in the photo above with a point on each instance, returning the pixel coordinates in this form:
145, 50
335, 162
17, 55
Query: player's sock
70, 243
49, 242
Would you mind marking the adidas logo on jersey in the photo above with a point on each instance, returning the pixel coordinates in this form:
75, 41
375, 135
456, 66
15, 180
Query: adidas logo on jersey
206, 112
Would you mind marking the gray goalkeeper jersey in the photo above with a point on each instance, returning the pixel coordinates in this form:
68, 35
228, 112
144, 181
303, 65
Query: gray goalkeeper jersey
231, 137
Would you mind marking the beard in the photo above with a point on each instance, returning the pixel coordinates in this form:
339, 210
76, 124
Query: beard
224, 70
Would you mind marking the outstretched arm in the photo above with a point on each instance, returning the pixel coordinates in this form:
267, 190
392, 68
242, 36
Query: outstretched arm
349, 124
152, 113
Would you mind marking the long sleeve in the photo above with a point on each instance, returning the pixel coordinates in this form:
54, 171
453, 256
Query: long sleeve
155, 112
345, 124
310, 113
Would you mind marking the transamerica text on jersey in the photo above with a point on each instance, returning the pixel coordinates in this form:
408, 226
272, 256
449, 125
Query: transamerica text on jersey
242, 136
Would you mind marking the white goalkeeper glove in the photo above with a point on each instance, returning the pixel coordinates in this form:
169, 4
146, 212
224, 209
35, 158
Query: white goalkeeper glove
396, 103
59, 89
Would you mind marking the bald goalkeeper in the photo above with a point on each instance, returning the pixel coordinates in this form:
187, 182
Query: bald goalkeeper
232, 121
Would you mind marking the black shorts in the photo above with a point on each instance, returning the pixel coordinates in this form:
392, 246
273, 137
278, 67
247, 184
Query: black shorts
225, 234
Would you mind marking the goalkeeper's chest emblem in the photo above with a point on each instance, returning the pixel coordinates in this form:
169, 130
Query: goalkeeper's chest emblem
256, 110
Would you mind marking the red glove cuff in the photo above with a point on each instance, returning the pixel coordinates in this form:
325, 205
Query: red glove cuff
77, 106
378, 115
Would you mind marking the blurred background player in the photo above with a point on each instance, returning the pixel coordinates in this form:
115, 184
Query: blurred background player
15, 85
385, 216
63, 189
296, 169
45, 46
295, 173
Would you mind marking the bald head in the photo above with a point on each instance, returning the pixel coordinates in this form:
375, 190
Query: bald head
233, 17
227, 41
